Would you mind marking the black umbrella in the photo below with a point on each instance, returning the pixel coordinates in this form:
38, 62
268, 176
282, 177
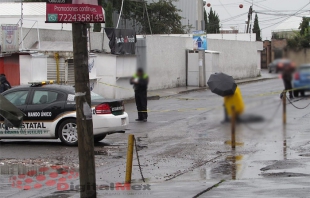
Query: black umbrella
222, 84
12, 115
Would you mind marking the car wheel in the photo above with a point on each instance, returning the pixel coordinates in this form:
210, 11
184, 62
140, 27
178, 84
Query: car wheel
68, 132
269, 70
296, 93
99, 138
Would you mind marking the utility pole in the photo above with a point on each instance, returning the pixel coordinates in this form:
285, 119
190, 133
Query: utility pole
201, 61
249, 19
83, 111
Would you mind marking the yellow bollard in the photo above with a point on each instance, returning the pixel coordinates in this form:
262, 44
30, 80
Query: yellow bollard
284, 107
129, 158
233, 127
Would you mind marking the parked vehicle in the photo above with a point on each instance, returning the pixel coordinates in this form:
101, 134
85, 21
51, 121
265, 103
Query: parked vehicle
50, 113
276, 65
301, 82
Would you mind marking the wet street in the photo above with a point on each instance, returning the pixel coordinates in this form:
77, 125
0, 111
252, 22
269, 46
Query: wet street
184, 151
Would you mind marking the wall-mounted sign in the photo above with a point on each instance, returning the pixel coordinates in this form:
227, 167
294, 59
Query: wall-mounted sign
10, 38
71, 11
200, 40
122, 41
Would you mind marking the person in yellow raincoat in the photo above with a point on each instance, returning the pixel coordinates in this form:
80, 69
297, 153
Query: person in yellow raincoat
235, 102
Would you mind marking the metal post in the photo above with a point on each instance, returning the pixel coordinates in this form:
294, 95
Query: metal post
129, 159
233, 128
56, 56
200, 11
21, 22
284, 107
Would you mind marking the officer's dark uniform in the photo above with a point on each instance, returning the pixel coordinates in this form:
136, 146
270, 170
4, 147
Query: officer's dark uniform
141, 95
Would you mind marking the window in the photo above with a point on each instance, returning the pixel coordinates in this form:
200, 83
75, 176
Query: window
18, 98
95, 96
47, 97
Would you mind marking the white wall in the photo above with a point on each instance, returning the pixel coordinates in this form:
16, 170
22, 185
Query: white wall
32, 68
113, 74
233, 37
166, 61
239, 59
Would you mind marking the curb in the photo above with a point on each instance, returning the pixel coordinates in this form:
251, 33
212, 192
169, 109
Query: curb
157, 97
256, 80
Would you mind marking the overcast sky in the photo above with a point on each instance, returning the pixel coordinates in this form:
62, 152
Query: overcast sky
227, 9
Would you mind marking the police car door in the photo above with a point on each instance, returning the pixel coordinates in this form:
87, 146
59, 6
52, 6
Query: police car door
44, 108
19, 98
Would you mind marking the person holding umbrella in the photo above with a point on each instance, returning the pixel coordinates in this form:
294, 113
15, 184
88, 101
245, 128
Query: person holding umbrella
225, 86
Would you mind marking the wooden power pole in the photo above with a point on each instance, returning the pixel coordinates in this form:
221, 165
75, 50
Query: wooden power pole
248, 29
83, 111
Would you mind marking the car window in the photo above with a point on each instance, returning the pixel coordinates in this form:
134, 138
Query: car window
17, 98
95, 96
47, 97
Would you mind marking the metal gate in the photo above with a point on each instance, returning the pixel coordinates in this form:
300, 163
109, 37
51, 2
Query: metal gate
70, 80
52, 70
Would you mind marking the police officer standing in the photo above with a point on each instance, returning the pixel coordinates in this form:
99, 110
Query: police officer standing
140, 81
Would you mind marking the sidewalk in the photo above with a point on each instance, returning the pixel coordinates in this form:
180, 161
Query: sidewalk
156, 94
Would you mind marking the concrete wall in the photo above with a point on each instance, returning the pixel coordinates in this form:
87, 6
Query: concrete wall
113, 74
298, 56
233, 37
236, 37
240, 59
166, 61
31, 37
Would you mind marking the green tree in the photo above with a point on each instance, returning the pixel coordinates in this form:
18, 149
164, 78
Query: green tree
304, 25
97, 27
256, 29
301, 38
162, 16
206, 21
213, 22
108, 15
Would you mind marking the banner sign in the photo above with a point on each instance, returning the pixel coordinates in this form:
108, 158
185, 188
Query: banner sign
10, 38
71, 11
122, 41
200, 40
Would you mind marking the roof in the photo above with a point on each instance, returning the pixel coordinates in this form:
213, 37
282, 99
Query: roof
291, 24
53, 46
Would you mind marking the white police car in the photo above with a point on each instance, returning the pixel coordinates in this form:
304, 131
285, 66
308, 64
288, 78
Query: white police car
50, 113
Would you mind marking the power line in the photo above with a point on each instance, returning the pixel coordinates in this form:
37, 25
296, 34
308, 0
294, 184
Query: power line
224, 7
286, 17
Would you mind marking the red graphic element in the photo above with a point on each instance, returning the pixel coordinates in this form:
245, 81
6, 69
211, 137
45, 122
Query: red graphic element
208, 4
240, 6
41, 177
50, 183
53, 176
